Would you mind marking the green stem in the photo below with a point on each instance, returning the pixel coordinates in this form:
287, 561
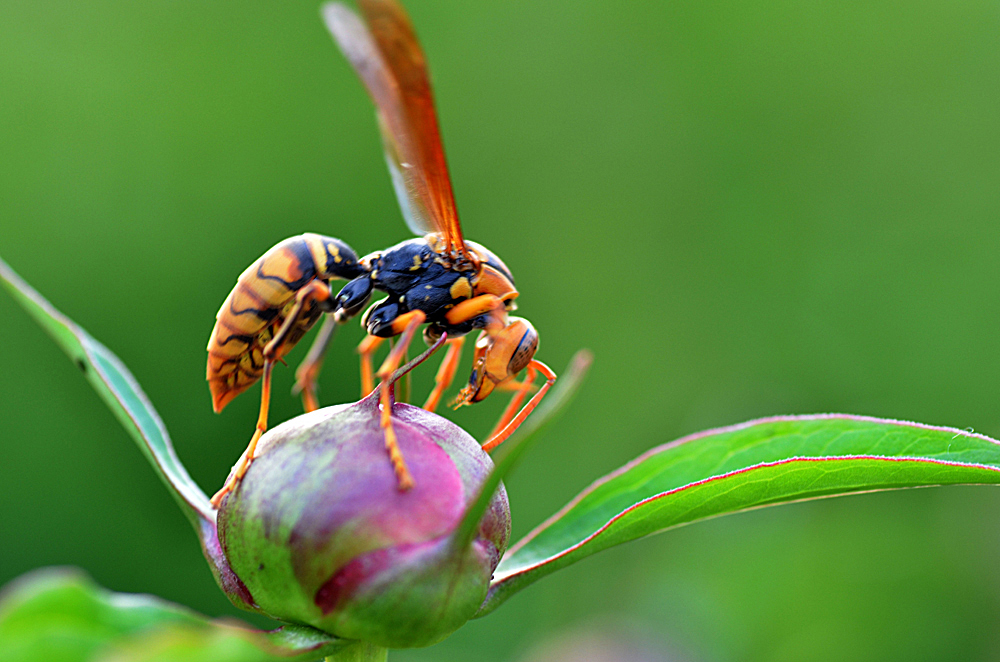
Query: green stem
361, 652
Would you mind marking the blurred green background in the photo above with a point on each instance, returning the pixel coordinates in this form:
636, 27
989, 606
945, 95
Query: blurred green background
742, 209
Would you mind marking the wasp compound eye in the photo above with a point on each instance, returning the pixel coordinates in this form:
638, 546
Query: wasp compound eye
319, 532
524, 348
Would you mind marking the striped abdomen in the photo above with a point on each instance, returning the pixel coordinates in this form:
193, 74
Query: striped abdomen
256, 308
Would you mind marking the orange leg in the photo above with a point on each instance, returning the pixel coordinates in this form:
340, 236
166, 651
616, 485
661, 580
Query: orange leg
511, 386
308, 370
498, 438
314, 290
446, 373
408, 323
520, 392
366, 349
476, 306
241, 466
423, 356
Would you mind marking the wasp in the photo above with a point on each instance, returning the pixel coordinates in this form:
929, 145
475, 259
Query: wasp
438, 281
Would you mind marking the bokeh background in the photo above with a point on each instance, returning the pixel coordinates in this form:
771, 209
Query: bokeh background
743, 209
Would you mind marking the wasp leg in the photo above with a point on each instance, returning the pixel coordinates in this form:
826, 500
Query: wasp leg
446, 373
423, 356
366, 348
498, 438
487, 306
241, 466
476, 306
520, 389
314, 290
349, 301
511, 386
308, 371
407, 324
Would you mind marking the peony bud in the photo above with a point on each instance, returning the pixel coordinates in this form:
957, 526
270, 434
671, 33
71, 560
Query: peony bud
320, 534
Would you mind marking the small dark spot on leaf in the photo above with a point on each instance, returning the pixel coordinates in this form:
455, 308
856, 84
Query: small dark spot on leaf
81, 365
260, 567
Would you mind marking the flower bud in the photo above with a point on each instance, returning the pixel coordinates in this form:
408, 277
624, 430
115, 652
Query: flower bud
319, 532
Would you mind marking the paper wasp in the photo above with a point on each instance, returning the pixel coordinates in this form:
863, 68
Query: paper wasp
452, 285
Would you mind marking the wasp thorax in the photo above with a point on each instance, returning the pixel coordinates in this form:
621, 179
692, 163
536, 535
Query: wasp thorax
319, 532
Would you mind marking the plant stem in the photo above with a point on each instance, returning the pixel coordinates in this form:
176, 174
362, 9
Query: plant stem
361, 652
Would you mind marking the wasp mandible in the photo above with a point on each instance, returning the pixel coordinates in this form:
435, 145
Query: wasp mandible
452, 285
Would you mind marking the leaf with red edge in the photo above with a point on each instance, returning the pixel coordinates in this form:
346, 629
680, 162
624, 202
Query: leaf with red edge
755, 464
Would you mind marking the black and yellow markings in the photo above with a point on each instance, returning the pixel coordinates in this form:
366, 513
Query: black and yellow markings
461, 289
259, 303
289, 266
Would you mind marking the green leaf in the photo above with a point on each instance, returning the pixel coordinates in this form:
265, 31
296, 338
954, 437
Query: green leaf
61, 615
122, 393
119, 390
754, 464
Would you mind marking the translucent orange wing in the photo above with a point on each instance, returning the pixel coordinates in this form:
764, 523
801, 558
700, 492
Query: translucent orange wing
383, 49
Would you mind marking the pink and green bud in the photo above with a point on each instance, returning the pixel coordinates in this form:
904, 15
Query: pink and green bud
320, 534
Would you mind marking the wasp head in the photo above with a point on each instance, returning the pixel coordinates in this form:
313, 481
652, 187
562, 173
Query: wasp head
499, 358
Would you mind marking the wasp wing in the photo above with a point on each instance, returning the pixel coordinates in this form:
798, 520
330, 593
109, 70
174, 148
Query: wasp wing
384, 51
415, 212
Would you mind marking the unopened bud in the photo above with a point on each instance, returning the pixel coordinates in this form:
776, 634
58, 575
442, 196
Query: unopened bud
320, 533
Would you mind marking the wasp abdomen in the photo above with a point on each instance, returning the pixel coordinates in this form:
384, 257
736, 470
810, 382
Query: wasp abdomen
257, 307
